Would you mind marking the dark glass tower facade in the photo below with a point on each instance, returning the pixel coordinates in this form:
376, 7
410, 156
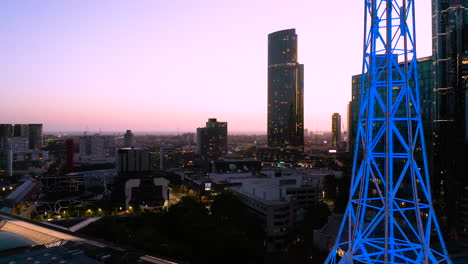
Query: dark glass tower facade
426, 95
285, 91
450, 57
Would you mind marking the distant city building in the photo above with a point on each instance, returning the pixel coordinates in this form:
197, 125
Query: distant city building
133, 160
285, 91
289, 155
129, 139
450, 58
336, 130
6, 130
175, 157
36, 140
16, 157
189, 138
21, 130
70, 154
212, 140
17, 144
32, 131
97, 149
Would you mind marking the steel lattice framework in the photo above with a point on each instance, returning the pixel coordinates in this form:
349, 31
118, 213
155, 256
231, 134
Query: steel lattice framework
389, 217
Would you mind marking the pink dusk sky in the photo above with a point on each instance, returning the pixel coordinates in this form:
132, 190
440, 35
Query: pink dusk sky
168, 65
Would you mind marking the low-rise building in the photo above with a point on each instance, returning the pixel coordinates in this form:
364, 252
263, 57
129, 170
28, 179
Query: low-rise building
280, 200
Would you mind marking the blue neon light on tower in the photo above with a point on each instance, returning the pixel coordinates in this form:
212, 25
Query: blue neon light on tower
389, 217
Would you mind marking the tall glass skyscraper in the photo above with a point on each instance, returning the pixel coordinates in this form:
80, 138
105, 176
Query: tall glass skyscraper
450, 57
336, 130
285, 91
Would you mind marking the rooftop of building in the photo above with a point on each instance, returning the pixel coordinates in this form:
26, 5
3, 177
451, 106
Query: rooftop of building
283, 32
22, 191
25, 241
271, 190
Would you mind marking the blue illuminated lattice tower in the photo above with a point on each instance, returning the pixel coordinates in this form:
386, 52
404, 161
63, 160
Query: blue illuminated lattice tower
389, 217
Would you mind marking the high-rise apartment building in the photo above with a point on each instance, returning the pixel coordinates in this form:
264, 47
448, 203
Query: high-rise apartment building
134, 160
212, 140
35, 136
450, 57
21, 130
336, 130
285, 91
6, 130
32, 131
129, 139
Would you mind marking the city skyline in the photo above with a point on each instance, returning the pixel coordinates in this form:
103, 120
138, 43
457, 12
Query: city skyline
158, 66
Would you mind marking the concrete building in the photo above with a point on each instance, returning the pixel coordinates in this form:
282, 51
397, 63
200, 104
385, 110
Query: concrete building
36, 137
21, 130
18, 144
134, 160
129, 139
6, 130
97, 149
212, 140
147, 192
281, 201
175, 157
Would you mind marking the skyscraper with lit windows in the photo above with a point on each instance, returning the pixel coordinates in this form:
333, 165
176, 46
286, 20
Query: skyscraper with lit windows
212, 140
450, 59
336, 130
285, 91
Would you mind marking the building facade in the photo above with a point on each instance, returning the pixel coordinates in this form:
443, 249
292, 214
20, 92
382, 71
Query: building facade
280, 202
426, 95
336, 130
450, 58
212, 140
129, 139
6, 130
36, 140
134, 160
285, 91
175, 157
21, 130
97, 149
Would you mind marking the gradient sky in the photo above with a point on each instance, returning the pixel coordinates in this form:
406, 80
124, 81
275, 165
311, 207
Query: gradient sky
164, 65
